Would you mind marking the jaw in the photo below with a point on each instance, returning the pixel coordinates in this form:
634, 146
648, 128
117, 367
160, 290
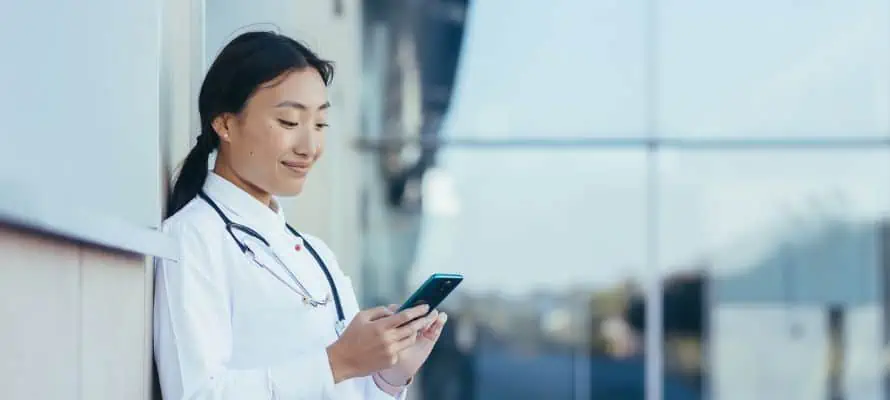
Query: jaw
291, 187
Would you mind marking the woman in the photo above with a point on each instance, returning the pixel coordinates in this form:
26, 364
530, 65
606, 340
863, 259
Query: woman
254, 309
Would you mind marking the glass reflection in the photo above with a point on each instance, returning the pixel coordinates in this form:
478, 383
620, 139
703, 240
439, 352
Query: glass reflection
768, 68
774, 271
550, 243
569, 69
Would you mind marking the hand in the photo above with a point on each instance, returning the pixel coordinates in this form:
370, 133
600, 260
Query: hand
374, 340
413, 357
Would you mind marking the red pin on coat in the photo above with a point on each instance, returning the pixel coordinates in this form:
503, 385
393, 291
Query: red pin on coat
298, 247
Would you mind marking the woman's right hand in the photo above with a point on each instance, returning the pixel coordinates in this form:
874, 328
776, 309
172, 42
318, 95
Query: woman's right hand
373, 340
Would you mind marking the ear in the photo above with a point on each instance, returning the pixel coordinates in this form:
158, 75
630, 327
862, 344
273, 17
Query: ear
222, 125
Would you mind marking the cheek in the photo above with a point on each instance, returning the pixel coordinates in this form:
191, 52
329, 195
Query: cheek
319, 144
262, 146
275, 139
271, 139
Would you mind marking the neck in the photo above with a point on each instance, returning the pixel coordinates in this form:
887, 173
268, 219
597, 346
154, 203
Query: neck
229, 174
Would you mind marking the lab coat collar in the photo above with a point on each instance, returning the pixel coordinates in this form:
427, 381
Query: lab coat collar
247, 209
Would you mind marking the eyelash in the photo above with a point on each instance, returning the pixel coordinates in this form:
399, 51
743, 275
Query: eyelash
288, 124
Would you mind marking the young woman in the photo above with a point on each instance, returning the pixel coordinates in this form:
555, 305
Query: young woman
254, 309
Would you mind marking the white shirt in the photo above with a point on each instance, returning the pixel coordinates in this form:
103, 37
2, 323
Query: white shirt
225, 328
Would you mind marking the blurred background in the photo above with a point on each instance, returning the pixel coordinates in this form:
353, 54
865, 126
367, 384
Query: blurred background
662, 199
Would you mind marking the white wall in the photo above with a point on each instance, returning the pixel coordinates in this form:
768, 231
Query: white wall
79, 103
330, 204
181, 73
98, 103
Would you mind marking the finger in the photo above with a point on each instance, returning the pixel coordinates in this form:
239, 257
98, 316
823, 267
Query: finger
435, 329
440, 323
431, 318
406, 316
431, 332
393, 307
411, 328
377, 313
435, 322
404, 343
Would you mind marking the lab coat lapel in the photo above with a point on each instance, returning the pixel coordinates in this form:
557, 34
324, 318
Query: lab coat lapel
244, 208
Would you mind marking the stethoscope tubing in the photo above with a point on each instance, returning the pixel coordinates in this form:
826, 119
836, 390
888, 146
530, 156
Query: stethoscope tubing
231, 226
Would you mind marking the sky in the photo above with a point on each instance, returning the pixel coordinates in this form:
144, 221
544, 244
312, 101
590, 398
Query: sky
561, 218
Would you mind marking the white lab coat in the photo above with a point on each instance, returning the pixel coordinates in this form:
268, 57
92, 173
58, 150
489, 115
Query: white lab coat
227, 329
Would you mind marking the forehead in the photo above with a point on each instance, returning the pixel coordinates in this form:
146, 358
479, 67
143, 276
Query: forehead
303, 86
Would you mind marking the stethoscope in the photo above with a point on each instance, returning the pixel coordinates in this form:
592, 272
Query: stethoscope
300, 290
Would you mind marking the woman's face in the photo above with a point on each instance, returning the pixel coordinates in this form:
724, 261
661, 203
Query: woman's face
272, 144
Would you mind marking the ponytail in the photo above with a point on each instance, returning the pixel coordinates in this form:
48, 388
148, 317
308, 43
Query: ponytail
193, 173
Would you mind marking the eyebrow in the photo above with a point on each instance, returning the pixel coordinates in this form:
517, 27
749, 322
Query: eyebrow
301, 106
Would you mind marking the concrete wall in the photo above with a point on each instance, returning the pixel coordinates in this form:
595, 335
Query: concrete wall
80, 190
75, 320
80, 193
181, 73
80, 103
100, 109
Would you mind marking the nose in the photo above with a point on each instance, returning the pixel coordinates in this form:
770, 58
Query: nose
307, 143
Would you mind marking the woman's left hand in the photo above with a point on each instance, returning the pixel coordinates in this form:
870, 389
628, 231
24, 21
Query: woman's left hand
412, 358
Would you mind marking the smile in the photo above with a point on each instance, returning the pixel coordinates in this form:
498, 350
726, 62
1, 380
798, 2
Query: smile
300, 169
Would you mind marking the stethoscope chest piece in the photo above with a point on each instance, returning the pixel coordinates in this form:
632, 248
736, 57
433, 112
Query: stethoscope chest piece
315, 303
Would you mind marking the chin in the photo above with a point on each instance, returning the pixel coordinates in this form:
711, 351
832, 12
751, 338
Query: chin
292, 188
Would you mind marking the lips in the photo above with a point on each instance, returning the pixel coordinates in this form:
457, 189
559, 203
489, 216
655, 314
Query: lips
298, 167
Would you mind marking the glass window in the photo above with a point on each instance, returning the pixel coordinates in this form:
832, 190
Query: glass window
550, 243
565, 69
768, 68
773, 271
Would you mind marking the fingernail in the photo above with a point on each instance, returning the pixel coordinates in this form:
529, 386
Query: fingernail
443, 317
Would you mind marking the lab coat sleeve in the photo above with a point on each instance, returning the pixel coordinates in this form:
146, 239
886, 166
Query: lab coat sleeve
193, 335
374, 392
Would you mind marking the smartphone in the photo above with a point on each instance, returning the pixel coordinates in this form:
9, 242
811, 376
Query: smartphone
432, 292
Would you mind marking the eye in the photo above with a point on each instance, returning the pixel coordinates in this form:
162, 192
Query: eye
287, 124
321, 125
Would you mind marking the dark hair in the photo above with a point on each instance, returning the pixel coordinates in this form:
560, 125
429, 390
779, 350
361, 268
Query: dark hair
247, 62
